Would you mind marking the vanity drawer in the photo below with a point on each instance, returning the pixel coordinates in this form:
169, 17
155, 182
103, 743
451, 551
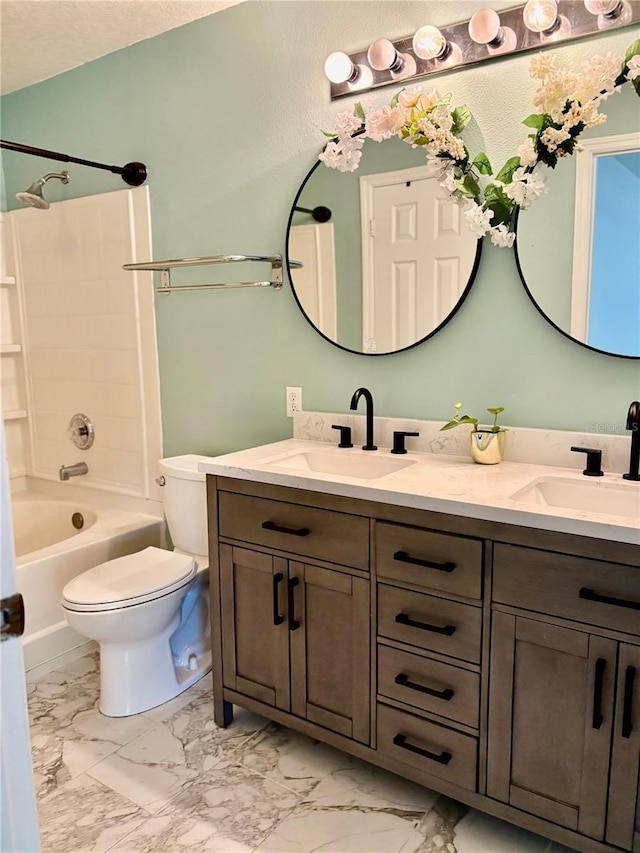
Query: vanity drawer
428, 559
310, 532
591, 591
429, 622
428, 746
428, 684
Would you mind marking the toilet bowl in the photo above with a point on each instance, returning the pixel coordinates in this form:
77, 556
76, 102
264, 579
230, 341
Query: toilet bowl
149, 611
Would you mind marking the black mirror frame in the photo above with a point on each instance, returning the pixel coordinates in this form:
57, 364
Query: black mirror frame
447, 319
516, 255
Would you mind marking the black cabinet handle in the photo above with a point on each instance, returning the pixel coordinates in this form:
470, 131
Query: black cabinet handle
591, 595
627, 702
447, 694
403, 619
598, 718
277, 618
292, 531
403, 557
443, 758
294, 623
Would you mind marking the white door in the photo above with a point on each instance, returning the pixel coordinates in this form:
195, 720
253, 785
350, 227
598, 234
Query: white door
315, 282
18, 817
417, 257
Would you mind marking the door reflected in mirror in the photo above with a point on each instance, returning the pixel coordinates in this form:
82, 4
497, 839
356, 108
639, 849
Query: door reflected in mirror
578, 249
394, 262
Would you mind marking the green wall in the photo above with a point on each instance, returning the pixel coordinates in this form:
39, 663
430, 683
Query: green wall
227, 114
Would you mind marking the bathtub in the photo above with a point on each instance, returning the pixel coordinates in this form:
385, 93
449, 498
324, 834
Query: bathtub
55, 541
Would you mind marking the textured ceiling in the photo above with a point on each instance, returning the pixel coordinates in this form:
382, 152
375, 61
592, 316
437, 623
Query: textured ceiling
42, 38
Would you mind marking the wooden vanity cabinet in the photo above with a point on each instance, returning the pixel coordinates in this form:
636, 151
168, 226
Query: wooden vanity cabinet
564, 711
497, 664
295, 634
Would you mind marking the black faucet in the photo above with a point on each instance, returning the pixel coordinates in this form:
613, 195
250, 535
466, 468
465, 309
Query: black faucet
633, 423
364, 392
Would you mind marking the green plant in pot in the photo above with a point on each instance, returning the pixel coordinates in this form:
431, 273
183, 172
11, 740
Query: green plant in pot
487, 443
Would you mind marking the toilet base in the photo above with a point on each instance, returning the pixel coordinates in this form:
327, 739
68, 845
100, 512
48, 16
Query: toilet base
133, 684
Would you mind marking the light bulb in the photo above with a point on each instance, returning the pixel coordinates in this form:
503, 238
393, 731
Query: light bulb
540, 15
602, 7
429, 43
484, 28
383, 56
339, 68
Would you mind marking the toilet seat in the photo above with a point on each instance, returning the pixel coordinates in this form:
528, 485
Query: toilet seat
126, 581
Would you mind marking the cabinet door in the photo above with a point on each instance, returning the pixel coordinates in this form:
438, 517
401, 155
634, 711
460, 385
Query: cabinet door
254, 628
330, 643
623, 817
550, 712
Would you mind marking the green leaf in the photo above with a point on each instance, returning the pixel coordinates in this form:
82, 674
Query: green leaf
482, 164
358, 111
500, 204
535, 120
461, 117
394, 100
496, 411
465, 419
505, 175
634, 50
330, 134
468, 186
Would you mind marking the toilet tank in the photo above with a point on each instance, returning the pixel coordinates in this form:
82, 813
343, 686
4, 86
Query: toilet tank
185, 502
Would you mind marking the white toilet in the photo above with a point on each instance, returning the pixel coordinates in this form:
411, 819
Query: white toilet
149, 611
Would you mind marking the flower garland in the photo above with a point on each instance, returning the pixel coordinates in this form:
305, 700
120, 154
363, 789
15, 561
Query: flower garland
567, 104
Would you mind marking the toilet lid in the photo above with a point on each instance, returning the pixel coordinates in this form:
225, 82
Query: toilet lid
130, 580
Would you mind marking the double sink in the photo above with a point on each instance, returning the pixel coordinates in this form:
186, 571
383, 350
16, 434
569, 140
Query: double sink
582, 495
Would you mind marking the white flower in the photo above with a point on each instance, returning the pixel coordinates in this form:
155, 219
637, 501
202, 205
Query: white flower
448, 180
478, 220
525, 188
343, 154
527, 153
346, 124
552, 138
501, 236
376, 125
634, 67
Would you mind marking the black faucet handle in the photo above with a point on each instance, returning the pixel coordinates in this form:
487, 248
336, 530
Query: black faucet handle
398, 440
594, 460
345, 435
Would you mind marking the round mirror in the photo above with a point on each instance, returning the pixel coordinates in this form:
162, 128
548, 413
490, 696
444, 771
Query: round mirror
577, 247
386, 257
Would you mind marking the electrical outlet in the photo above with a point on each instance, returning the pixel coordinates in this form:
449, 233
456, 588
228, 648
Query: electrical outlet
294, 401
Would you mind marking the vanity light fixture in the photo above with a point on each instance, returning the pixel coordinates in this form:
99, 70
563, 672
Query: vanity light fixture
485, 28
383, 56
486, 36
541, 16
429, 43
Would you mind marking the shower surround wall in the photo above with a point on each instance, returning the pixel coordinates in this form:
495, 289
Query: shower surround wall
90, 342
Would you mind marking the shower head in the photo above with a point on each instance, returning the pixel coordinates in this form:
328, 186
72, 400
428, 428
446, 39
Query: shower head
33, 195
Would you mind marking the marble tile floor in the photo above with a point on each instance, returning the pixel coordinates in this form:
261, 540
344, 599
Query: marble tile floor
170, 780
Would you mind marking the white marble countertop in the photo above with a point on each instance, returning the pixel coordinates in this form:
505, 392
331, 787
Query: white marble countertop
442, 483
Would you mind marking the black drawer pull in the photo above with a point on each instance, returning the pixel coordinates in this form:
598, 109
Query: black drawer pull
598, 717
294, 623
277, 618
403, 619
627, 704
292, 531
447, 694
590, 595
443, 758
403, 557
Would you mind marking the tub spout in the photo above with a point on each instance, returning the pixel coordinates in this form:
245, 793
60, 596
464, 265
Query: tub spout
68, 471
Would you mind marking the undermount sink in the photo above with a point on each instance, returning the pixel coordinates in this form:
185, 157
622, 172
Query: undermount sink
588, 496
361, 467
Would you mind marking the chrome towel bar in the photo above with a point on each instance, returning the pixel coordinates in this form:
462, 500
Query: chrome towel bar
165, 267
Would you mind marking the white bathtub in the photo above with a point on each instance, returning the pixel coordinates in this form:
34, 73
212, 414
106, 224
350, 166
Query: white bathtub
50, 551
